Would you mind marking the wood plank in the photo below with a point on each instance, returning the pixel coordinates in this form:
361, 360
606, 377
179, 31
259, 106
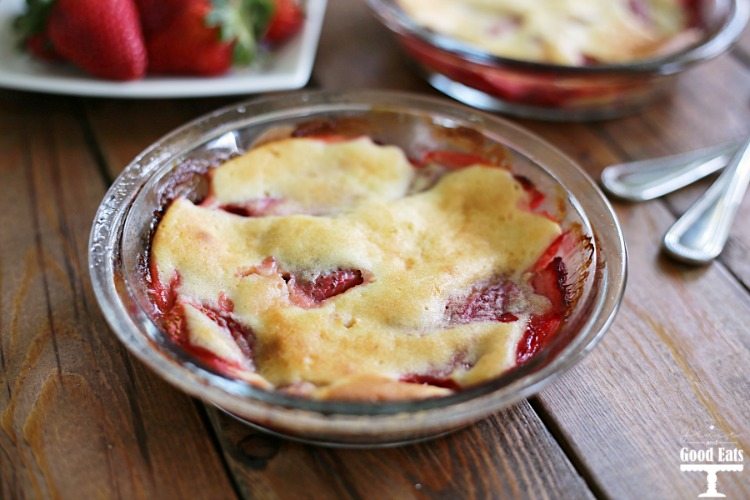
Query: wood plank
78, 417
510, 455
356, 51
132, 126
122, 128
668, 367
710, 107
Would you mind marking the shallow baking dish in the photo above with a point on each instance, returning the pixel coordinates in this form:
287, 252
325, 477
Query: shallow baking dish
121, 232
552, 91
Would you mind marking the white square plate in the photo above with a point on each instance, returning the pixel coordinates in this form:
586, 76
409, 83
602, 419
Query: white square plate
287, 67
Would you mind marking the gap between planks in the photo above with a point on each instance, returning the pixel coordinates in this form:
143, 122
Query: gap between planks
553, 427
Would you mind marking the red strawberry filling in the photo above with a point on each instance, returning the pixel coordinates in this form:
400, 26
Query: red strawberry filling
490, 302
170, 312
641, 10
252, 208
564, 245
505, 26
503, 301
536, 197
440, 377
428, 379
550, 282
305, 291
694, 12
309, 293
539, 333
452, 159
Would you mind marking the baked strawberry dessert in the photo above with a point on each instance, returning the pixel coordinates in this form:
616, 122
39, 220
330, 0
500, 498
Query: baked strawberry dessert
566, 32
335, 267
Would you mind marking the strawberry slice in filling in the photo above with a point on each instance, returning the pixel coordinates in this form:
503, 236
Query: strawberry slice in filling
549, 281
253, 208
305, 290
311, 292
490, 302
440, 377
170, 311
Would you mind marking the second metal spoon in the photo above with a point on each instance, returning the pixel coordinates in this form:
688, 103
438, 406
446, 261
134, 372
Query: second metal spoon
700, 234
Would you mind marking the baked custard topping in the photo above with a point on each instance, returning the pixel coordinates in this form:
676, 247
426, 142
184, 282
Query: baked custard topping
317, 268
567, 32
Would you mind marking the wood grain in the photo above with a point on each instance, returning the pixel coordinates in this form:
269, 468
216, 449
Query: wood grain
121, 129
667, 369
78, 418
711, 105
357, 52
510, 455
720, 94
665, 372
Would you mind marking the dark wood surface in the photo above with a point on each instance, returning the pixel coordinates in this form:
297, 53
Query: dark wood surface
80, 418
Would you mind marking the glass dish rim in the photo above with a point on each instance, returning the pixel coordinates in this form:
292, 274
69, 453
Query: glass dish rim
104, 246
728, 33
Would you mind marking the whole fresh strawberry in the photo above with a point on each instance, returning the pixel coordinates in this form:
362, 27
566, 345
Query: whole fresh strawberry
286, 21
187, 45
202, 37
102, 37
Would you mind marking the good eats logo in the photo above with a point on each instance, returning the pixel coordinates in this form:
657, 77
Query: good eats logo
712, 458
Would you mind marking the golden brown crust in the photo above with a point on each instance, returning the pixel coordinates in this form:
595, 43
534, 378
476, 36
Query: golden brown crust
415, 253
375, 388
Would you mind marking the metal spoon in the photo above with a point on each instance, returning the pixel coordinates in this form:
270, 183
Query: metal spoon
700, 234
649, 179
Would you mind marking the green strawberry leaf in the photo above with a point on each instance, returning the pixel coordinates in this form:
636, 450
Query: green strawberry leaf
241, 21
33, 20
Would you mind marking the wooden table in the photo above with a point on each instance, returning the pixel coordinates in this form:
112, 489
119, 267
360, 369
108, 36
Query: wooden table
80, 418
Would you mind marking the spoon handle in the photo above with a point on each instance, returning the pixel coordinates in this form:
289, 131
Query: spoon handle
700, 234
648, 179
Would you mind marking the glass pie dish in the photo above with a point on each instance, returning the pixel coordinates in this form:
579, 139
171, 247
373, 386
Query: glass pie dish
122, 230
555, 91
